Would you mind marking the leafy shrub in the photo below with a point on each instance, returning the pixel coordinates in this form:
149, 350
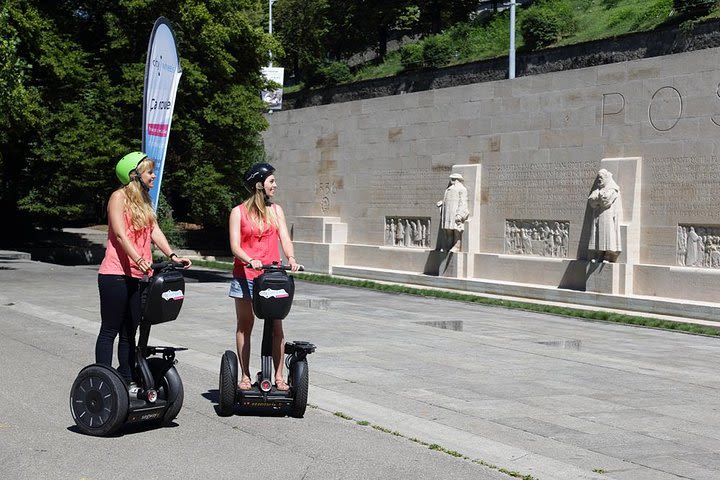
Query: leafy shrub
437, 51
411, 56
332, 74
540, 28
695, 8
545, 23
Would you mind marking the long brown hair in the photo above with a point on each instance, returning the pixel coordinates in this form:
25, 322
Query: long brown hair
137, 198
260, 210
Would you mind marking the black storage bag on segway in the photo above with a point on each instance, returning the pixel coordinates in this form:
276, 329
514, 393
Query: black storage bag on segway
273, 293
164, 297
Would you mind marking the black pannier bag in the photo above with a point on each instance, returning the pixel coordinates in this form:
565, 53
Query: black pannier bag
164, 296
273, 293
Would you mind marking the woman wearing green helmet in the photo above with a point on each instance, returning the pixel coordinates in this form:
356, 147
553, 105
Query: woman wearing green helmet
132, 227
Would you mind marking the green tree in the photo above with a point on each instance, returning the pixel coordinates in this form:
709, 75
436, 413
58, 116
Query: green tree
50, 143
71, 80
436, 15
301, 26
357, 25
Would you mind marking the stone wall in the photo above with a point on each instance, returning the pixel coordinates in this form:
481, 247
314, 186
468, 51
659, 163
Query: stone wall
529, 150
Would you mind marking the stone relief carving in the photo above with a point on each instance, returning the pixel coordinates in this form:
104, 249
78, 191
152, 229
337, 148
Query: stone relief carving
698, 246
547, 238
407, 231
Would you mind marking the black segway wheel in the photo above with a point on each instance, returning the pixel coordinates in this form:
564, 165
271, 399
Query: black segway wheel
228, 382
99, 400
299, 384
169, 388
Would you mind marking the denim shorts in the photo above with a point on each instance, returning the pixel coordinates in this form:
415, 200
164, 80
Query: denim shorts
241, 288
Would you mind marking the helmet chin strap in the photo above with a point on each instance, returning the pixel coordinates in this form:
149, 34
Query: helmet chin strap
139, 179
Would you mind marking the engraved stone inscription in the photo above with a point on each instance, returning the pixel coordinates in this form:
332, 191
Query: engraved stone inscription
547, 238
546, 187
693, 181
424, 185
698, 246
325, 192
665, 108
407, 231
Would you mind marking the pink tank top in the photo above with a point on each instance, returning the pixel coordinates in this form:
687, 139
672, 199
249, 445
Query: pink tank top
116, 261
260, 245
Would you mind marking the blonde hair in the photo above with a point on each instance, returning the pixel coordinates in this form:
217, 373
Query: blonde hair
260, 211
137, 198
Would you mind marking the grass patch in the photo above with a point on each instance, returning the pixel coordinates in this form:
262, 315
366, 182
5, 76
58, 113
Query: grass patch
594, 315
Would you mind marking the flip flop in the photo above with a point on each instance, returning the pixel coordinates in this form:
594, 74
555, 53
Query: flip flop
245, 384
281, 385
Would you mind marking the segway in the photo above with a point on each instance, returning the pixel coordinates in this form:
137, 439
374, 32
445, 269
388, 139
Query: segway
100, 399
272, 298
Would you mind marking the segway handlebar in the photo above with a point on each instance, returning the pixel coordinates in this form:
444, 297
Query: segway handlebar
277, 266
156, 267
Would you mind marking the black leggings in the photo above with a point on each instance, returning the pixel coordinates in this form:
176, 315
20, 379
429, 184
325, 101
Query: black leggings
120, 314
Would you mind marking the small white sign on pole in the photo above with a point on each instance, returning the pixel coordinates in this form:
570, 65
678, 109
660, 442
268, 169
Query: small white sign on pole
273, 98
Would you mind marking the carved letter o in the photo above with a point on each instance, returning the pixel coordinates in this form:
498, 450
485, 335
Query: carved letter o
679, 113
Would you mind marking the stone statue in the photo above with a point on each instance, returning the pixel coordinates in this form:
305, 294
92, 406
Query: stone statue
692, 255
605, 229
454, 212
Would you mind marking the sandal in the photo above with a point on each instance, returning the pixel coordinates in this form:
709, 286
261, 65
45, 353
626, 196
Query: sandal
245, 384
281, 385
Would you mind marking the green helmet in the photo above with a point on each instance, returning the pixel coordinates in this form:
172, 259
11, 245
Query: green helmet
127, 164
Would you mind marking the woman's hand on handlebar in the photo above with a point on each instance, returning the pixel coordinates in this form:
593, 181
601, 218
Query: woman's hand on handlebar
294, 266
255, 264
184, 260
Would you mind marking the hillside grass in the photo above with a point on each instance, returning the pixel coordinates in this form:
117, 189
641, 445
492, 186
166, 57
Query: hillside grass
488, 36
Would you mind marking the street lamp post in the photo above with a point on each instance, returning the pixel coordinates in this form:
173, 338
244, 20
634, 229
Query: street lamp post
270, 2
511, 66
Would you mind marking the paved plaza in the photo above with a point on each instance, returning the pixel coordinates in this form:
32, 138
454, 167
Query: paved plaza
552, 397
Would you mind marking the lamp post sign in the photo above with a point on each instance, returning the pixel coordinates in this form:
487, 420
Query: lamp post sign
273, 97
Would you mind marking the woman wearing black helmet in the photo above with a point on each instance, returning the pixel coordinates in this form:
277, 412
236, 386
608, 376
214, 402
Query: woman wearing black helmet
256, 226
132, 227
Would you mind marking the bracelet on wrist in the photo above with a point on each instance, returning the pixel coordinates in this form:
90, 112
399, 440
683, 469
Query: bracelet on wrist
172, 255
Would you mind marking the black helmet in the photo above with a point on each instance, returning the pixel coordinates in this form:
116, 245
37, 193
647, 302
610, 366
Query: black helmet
257, 173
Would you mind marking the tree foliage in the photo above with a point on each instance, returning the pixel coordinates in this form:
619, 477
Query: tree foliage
301, 26
317, 32
71, 84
